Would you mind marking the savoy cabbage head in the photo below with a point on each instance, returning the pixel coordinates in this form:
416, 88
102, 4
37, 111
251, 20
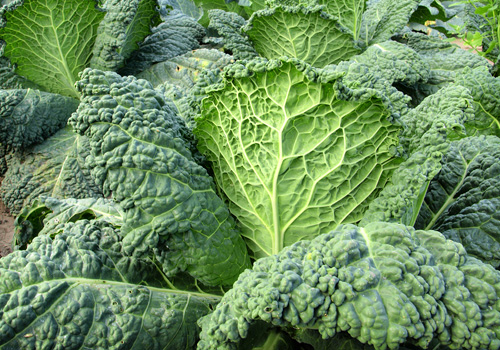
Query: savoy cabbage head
246, 175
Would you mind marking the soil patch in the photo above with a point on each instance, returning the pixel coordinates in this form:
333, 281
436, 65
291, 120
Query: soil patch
6, 230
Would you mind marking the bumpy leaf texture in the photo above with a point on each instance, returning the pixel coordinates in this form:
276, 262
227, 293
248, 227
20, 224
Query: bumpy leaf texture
384, 284
428, 131
78, 291
305, 33
141, 155
30, 116
55, 168
384, 18
51, 41
463, 200
292, 155
175, 36
444, 60
46, 213
228, 25
125, 25
483, 88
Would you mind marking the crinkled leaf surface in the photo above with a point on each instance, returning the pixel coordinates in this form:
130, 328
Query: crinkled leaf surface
183, 71
383, 283
141, 156
30, 116
51, 41
293, 158
444, 61
125, 25
228, 25
47, 212
54, 168
484, 90
384, 18
463, 201
78, 291
175, 36
305, 33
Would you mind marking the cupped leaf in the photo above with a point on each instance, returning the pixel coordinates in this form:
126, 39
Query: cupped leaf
305, 33
384, 284
46, 213
51, 41
55, 168
116, 302
348, 12
293, 156
463, 201
125, 25
140, 154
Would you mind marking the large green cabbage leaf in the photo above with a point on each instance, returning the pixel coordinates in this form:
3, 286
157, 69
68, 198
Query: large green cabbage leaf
54, 168
305, 33
78, 290
51, 41
463, 200
141, 155
384, 284
295, 157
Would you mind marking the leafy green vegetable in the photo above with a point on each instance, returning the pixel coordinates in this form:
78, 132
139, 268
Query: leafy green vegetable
51, 41
54, 168
383, 283
292, 154
78, 290
46, 213
140, 155
305, 33
30, 116
463, 199
483, 88
125, 25
229, 25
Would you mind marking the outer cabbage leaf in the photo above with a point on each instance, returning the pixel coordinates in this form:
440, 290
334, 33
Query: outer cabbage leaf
30, 116
229, 26
444, 60
359, 75
140, 154
46, 213
348, 12
125, 25
175, 36
305, 33
187, 7
78, 291
55, 168
183, 71
51, 41
463, 200
293, 156
395, 62
384, 284
428, 131
486, 100
384, 18
10, 80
